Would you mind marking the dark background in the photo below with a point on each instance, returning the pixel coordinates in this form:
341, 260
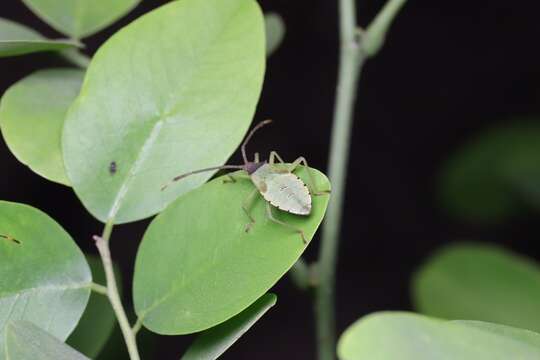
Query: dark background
449, 70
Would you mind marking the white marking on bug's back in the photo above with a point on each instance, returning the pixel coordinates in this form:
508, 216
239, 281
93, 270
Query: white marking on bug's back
288, 193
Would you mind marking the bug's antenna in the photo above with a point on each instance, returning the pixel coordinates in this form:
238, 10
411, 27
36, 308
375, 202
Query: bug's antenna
259, 125
179, 177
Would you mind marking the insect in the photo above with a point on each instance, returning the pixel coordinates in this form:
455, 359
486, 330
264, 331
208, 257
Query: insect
9, 238
276, 183
113, 167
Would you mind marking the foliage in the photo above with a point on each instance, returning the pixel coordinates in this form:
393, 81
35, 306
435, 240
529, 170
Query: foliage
480, 282
182, 79
491, 177
175, 91
407, 336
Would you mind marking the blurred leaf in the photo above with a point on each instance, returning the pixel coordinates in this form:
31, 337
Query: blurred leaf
407, 336
32, 113
212, 343
197, 262
98, 320
275, 32
156, 103
43, 279
80, 18
26, 341
480, 282
17, 39
488, 179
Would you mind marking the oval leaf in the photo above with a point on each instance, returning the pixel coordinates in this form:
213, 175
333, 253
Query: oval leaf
17, 39
32, 113
26, 341
407, 336
44, 277
275, 32
197, 267
80, 18
172, 92
212, 343
490, 178
98, 320
480, 282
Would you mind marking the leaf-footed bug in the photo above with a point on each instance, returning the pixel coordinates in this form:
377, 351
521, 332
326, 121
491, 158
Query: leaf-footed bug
278, 185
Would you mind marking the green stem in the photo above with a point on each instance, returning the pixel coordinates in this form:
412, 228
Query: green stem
351, 60
76, 57
356, 47
97, 288
102, 244
137, 327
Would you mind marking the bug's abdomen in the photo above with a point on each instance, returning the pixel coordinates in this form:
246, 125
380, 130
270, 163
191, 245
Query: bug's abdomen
288, 193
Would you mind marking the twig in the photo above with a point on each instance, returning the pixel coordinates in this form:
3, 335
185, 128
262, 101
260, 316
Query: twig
102, 243
356, 47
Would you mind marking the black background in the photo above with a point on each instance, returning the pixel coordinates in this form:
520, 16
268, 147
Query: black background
449, 70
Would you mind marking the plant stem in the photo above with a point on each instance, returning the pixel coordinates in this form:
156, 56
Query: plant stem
351, 60
102, 244
356, 47
76, 57
100, 289
137, 327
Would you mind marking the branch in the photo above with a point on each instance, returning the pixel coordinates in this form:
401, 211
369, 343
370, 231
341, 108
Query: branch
102, 243
356, 47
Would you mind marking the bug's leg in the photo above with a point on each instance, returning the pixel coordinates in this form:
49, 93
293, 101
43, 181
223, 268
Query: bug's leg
232, 179
282, 223
312, 187
229, 179
272, 161
246, 206
273, 156
257, 159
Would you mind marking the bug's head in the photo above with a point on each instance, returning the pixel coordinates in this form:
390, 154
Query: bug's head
252, 166
257, 127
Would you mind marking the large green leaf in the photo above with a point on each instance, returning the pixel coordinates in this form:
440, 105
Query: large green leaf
489, 178
172, 92
407, 336
26, 341
275, 32
32, 113
17, 39
480, 282
197, 267
80, 18
214, 342
98, 321
43, 279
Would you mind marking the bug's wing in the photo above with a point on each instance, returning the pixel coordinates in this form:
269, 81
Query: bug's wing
288, 193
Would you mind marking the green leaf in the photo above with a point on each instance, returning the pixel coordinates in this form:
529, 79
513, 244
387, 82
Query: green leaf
480, 282
32, 113
407, 336
17, 39
44, 278
173, 91
490, 177
275, 32
197, 267
26, 341
97, 323
214, 342
80, 18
